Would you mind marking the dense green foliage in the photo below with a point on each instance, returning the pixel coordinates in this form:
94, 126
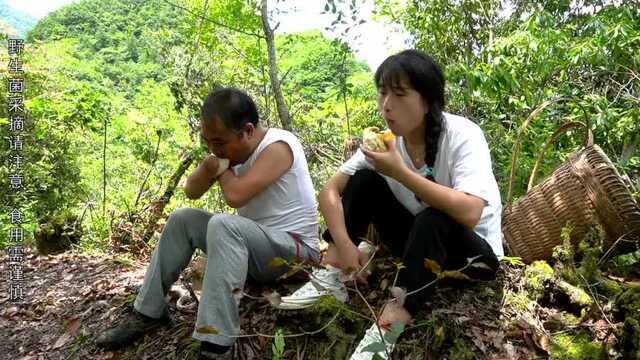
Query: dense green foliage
137, 71
501, 67
142, 82
114, 89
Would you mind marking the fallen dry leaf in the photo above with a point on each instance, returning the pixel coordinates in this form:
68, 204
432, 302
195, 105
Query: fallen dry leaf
454, 274
542, 342
433, 266
71, 328
479, 344
478, 337
11, 311
511, 351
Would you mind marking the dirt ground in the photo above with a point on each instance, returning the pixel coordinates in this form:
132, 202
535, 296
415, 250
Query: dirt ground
72, 297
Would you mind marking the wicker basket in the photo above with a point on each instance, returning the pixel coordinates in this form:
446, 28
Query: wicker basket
585, 190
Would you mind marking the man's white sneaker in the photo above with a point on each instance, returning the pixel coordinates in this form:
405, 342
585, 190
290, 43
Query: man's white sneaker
323, 282
370, 337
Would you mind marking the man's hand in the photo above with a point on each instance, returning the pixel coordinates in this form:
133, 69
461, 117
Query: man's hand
211, 164
271, 164
202, 178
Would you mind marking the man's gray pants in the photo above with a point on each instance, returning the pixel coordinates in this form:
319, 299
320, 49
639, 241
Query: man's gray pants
235, 247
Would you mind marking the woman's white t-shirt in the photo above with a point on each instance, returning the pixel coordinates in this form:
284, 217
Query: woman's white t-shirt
289, 203
463, 163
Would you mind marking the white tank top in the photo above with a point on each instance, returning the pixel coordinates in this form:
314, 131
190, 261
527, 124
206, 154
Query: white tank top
289, 203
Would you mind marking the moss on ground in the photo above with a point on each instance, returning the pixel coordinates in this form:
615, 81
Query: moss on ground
517, 301
577, 296
461, 350
340, 334
628, 308
537, 278
630, 344
569, 319
575, 347
628, 303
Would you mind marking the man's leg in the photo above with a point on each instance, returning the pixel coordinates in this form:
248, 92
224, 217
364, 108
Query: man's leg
185, 230
237, 246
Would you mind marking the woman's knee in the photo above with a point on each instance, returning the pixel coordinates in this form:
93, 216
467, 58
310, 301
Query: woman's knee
364, 183
433, 217
431, 224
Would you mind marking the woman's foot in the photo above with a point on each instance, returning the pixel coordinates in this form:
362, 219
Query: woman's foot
392, 313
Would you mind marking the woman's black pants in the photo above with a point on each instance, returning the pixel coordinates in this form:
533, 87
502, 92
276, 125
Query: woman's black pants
430, 234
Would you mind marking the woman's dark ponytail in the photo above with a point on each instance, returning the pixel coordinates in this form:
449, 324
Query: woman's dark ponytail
433, 120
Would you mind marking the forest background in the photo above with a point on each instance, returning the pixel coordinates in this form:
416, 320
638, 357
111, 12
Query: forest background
114, 90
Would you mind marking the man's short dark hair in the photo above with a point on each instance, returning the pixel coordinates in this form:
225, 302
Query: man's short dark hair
232, 106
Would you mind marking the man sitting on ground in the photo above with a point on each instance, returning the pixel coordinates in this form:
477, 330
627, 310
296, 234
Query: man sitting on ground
269, 183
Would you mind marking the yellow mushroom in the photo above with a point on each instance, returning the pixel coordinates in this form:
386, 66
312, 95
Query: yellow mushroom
373, 139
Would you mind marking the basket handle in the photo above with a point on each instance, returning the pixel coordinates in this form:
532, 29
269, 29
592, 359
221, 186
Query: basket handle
561, 130
588, 141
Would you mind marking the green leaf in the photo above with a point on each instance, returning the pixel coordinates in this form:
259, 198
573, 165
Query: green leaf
513, 260
277, 262
375, 347
207, 330
277, 348
392, 335
294, 270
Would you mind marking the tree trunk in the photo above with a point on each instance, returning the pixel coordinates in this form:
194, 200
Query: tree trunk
283, 112
157, 208
104, 170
